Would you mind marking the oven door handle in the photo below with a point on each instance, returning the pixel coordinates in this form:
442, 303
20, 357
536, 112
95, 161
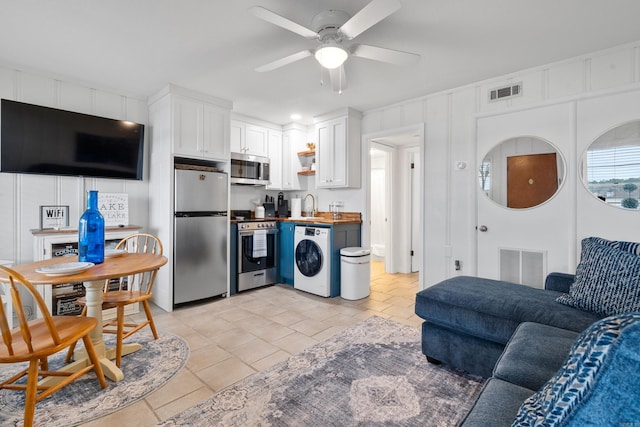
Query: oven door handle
251, 232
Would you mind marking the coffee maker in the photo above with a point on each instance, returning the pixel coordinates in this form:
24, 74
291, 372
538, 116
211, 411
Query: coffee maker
283, 206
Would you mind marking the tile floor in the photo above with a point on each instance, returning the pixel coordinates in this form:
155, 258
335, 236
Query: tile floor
232, 338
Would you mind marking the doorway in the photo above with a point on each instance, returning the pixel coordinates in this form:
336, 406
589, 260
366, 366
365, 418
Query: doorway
395, 198
381, 173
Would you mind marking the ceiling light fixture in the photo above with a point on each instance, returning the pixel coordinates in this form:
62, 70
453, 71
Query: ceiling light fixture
296, 116
331, 55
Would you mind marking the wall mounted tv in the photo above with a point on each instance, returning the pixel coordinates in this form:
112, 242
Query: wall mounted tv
43, 140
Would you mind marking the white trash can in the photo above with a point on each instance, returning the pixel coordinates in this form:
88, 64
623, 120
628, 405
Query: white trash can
355, 273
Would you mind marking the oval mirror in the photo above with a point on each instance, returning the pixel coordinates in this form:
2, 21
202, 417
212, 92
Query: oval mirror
611, 166
522, 172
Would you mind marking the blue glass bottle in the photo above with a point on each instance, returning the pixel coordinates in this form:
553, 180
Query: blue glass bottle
91, 232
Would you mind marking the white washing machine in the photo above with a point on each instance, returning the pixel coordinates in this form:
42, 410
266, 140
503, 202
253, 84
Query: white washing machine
312, 271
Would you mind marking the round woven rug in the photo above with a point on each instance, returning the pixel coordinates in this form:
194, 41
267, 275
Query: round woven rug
145, 371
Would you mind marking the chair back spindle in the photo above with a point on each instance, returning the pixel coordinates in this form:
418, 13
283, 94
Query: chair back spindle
17, 282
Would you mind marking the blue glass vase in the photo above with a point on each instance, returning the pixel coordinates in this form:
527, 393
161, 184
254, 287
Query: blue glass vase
91, 232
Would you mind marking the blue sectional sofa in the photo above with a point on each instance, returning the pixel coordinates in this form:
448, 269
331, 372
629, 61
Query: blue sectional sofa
588, 379
469, 320
577, 341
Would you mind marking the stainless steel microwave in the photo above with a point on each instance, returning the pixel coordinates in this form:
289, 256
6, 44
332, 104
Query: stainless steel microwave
249, 170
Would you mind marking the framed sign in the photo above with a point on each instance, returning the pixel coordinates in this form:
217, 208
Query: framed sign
114, 207
55, 217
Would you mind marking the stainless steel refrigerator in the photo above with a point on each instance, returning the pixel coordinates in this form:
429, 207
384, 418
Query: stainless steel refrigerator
200, 235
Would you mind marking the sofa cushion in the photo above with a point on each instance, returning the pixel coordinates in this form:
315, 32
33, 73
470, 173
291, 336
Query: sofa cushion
467, 352
492, 309
598, 384
607, 278
560, 282
496, 405
534, 354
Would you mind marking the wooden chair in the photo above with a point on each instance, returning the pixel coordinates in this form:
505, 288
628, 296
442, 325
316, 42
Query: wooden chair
34, 341
130, 290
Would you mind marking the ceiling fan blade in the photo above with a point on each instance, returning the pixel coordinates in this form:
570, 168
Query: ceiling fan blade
368, 16
338, 79
390, 56
281, 21
284, 61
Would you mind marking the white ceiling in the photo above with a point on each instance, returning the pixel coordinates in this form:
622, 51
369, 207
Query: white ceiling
213, 46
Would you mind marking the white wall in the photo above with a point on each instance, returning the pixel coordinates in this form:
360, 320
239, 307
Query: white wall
588, 82
22, 195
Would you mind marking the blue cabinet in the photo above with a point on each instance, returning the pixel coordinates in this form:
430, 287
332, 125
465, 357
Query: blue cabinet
286, 231
342, 236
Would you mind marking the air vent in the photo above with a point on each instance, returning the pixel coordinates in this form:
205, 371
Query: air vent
523, 266
505, 92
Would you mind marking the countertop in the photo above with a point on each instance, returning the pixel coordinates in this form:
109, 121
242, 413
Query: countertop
320, 218
70, 230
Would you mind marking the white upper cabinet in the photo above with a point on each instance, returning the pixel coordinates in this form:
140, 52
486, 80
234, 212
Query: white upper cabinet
251, 139
293, 141
256, 140
338, 150
216, 132
285, 164
275, 156
199, 129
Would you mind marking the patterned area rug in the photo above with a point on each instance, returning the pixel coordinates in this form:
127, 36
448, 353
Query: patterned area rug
145, 371
371, 374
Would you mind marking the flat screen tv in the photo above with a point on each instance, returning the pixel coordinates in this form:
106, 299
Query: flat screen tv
49, 141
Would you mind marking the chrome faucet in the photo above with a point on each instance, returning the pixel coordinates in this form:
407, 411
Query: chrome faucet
313, 204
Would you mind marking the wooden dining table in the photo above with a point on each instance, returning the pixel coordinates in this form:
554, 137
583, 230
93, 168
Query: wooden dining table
93, 280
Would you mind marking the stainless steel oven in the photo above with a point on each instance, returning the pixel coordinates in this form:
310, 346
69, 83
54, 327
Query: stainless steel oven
257, 254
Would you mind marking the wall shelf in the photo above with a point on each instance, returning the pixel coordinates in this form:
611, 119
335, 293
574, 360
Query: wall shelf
309, 172
307, 153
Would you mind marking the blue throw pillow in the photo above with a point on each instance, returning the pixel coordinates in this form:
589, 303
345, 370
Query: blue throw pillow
631, 247
607, 279
598, 384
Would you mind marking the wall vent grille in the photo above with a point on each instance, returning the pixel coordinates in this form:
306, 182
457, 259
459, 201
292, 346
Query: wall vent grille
505, 92
523, 266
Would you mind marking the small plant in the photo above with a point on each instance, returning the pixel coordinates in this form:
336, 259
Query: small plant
629, 203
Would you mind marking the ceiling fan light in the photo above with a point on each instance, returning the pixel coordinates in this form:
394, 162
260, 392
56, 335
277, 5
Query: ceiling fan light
331, 56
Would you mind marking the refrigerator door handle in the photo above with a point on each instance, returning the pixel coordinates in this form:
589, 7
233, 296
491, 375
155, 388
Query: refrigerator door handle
198, 214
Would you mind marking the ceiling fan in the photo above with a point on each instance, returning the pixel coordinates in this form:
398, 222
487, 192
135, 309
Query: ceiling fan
331, 28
